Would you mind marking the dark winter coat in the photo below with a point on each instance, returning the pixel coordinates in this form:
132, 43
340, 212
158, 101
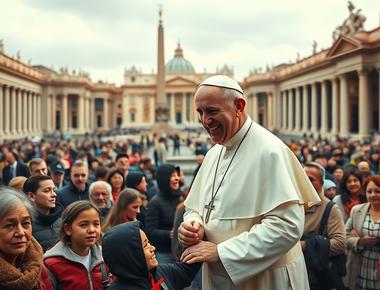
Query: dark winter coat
159, 217
123, 252
46, 227
69, 194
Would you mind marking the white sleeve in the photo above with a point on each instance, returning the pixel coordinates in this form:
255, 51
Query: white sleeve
254, 251
192, 215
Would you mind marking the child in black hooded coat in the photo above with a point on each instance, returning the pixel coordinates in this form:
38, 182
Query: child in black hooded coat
131, 258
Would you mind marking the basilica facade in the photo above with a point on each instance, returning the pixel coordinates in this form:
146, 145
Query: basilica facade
331, 92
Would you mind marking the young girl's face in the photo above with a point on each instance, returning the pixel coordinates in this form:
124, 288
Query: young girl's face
84, 231
149, 252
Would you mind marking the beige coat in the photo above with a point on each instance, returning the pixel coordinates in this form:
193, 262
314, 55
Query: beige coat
355, 221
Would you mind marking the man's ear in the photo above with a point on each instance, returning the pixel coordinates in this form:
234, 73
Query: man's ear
240, 104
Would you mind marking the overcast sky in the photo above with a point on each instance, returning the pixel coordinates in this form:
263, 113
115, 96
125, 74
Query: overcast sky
103, 37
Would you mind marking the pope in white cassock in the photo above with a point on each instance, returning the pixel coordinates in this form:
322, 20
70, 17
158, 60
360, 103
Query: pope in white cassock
245, 211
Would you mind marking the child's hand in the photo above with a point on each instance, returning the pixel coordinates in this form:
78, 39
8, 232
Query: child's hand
190, 233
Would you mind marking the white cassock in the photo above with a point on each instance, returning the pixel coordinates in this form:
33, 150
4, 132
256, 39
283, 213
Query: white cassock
258, 217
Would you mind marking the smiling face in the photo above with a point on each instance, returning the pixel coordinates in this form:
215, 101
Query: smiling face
15, 233
117, 181
353, 185
174, 181
45, 196
220, 117
149, 252
79, 176
373, 194
84, 231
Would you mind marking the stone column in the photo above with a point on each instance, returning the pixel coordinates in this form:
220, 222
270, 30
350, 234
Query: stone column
39, 113
305, 108
365, 113
172, 108
284, 117
64, 113
344, 107
290, 94
298, 110
35, 113
270, 111
105, 113
324, 108
12, 96
19, 111
255, 108
81, 113
7, 107
314, 111
2, 110
30, 112
53, 111
24, 112
335, 108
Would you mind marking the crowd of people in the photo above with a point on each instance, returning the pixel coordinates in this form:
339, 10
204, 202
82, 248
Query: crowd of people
91, 213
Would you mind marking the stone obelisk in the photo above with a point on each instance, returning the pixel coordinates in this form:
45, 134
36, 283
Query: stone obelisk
161, 109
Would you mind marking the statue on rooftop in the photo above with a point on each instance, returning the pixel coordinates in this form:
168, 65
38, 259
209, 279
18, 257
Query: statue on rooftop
354, 22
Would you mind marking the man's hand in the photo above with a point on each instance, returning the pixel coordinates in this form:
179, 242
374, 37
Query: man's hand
202, 252
190, 233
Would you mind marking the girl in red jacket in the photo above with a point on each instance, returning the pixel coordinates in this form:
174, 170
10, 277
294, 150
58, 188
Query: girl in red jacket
76, 261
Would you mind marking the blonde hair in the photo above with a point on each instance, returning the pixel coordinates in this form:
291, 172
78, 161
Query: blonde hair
17, 182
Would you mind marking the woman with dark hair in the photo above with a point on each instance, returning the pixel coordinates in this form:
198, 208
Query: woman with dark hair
159, 217
363, 235
21, 265
115, 177
125, 209
349, 192
47, 220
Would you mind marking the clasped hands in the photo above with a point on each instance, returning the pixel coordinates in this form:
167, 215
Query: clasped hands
190, 235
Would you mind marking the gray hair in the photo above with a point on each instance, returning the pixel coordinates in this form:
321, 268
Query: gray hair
322, 170
231, 95
11, 198
80, 163
100, 183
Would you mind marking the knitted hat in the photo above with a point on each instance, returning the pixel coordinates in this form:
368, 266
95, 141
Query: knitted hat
328, 184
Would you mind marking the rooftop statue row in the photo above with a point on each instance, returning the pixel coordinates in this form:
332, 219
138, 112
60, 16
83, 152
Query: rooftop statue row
354, 23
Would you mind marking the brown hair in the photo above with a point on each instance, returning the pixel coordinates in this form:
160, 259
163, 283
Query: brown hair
374, 178
70, 214
117, 213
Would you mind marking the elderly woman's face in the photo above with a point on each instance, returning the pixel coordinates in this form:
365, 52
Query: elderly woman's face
15, 233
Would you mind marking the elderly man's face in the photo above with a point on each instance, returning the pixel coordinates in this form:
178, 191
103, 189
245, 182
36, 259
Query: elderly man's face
314, 176
217, 115
100, 196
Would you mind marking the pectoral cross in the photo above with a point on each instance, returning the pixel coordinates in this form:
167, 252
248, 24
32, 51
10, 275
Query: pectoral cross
210, 206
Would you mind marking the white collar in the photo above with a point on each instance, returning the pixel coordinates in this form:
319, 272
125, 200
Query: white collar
235, 140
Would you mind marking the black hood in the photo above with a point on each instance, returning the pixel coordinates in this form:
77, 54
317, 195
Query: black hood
133, 179
123, 252
163, 179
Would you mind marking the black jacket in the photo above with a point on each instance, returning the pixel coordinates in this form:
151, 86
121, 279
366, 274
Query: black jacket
21, 170
46, 227
123, 253
69, 193
159, 216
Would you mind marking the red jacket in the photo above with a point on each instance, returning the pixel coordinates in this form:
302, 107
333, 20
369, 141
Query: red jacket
71, 275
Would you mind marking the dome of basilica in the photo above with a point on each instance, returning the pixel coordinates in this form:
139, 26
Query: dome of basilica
178, 64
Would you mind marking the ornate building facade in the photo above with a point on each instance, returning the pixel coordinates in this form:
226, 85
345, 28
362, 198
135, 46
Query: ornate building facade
331, 92
35, 100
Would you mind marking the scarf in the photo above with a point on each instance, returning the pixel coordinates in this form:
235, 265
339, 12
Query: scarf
349, 205
156, 285
26, 276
